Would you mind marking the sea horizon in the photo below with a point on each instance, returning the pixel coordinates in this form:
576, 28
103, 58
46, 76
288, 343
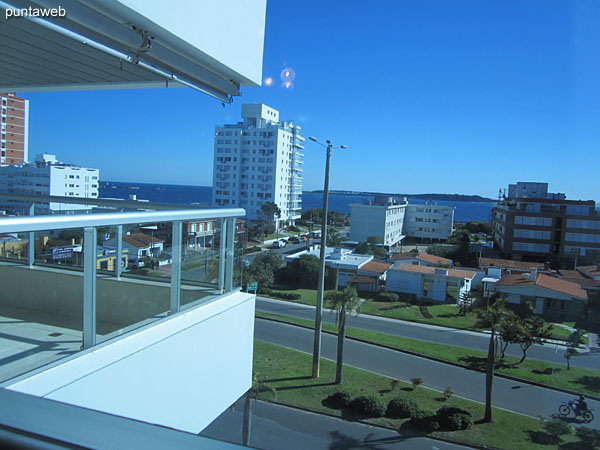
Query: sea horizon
202, 195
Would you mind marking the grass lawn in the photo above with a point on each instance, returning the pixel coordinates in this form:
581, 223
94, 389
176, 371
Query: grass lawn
582, 380
286, 373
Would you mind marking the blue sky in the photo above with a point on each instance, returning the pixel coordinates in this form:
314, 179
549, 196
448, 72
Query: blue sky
430, 96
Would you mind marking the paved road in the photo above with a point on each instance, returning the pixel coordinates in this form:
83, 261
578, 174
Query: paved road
429, 333
276, 427
520, 397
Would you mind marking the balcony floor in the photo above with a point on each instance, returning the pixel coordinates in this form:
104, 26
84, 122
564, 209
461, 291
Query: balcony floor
26, 344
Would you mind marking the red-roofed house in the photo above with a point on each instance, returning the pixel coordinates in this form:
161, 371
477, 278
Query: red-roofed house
139, 246
439, 284
421, 259
548, 296
370, 276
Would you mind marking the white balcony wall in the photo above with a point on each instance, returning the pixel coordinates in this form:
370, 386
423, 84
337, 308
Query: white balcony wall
181, 372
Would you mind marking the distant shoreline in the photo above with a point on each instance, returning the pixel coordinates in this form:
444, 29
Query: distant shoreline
442, 197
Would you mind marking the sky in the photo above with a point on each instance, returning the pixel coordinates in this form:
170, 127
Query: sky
430, 96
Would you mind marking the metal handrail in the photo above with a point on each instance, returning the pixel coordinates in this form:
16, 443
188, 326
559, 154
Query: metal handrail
60, 222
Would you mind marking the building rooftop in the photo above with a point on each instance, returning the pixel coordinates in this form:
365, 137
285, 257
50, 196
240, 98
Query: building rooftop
590, 271
376, 267
141, 240
455, 273
545, 281
425, 257
509, 264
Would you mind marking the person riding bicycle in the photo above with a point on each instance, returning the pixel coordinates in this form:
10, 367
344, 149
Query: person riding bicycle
579, 405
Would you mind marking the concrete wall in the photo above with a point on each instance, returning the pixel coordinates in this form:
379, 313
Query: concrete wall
181, 372
404, 282
119, 303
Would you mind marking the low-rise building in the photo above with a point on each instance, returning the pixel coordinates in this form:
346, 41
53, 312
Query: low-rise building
426, 282
370, 276
508, 266
550, 297
139, 247
339, 262
419, 259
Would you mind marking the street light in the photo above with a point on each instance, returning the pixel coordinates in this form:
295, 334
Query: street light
319, 313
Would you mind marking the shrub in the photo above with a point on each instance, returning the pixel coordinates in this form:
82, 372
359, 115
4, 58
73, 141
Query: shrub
339, 399
424, 421
557, 427
370, 406
588, 436
387, 297
401, 408
448, 393
416, 382
451, 418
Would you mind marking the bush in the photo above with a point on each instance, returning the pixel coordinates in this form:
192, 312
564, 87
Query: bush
387, 297
557, 427
424, 421
370, 406
451, 418
588, 436
339, 399
401, 408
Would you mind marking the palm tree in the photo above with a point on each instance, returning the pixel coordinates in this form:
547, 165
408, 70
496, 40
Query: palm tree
343, 302
493, 318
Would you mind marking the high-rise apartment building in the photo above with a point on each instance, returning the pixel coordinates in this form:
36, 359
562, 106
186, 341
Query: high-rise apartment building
532, 224
15, 129
47, 176
259, 160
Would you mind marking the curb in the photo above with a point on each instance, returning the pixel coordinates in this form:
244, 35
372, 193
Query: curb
366, 422
443, 361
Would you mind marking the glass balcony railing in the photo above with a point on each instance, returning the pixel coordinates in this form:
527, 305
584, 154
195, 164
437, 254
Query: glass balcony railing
72, 281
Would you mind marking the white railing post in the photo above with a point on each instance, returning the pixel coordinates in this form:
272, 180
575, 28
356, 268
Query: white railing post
89, 287
176, 268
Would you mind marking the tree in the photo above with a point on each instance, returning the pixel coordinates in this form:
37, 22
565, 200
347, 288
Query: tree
572, 344
266, 216
524, 331
334, 239
492, 318
302, 272
464, 303
262, 269
343, 302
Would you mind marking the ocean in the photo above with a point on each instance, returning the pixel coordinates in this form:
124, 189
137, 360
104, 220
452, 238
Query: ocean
201, 195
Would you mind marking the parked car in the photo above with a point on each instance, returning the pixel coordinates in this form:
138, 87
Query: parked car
279, 244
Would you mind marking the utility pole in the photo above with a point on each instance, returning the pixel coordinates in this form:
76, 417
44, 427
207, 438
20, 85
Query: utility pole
316, 365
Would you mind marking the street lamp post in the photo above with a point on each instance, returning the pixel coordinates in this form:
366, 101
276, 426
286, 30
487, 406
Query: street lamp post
319, 312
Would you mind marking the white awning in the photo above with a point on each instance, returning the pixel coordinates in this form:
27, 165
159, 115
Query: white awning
110, 44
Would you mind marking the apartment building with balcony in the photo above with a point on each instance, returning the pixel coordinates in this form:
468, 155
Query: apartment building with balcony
384, 217
48, 176
531, 224
429, 221
14, 117
394, 220
259, 160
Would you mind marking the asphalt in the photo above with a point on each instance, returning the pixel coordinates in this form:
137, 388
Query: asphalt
277, 427
551, 353
511, 395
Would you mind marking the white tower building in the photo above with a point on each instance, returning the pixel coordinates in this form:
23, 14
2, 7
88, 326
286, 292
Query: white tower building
257, 161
